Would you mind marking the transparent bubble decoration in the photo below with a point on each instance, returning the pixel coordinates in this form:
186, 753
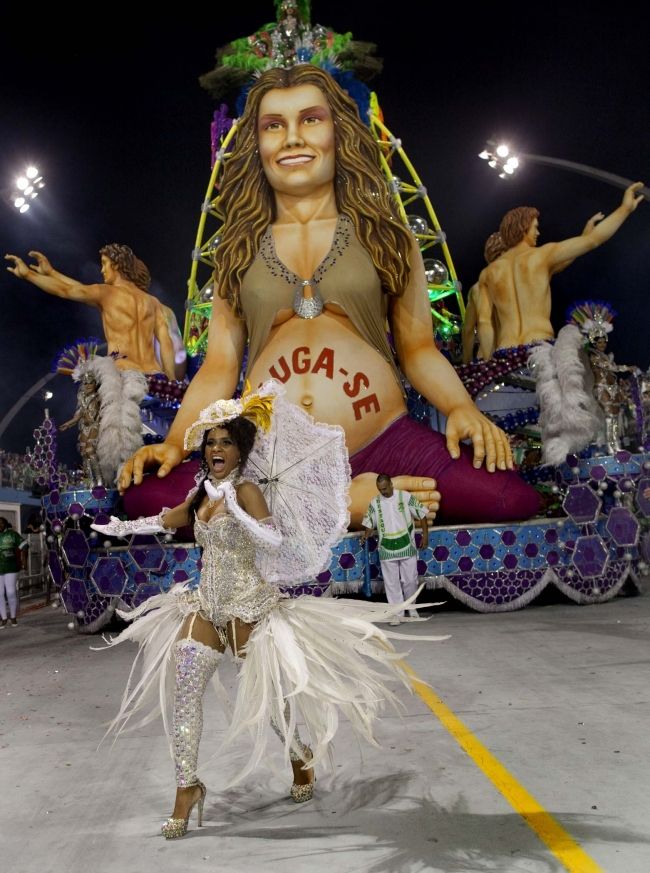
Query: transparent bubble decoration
418, 224
435, 271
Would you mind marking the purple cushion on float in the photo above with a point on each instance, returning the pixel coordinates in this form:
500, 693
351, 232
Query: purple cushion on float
154, 493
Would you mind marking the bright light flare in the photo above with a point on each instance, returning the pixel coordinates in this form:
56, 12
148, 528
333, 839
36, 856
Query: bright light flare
500, 158
27, 187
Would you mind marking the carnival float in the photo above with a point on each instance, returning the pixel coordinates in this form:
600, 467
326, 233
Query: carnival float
578, 421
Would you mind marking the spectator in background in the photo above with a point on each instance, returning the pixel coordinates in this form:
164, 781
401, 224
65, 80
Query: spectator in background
11, 545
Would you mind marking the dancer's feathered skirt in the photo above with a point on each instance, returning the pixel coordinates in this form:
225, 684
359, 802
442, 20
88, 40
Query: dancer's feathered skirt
307, 661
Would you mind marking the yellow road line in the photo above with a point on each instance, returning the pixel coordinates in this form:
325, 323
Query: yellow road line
550, 831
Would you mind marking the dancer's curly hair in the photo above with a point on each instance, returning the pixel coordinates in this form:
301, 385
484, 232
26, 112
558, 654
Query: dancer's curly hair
361, 190
243, 432
129, 266
516, 223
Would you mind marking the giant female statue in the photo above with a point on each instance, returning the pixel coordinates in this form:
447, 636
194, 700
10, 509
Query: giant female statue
313, 265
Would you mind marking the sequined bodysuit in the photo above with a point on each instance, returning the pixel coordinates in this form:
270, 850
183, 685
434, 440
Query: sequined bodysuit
231, 585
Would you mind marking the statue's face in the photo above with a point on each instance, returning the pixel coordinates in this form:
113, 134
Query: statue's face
109, 273
295, 133
532, 234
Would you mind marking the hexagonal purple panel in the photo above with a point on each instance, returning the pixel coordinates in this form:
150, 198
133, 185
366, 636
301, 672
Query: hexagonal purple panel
347, 560
581, 504
56, 570
622, 526
75, 509
509, 537
147, 553
590, 556
74, 595
598, 473
144, 592
75, 548
642, 501
463, 538
109, 576
441, 553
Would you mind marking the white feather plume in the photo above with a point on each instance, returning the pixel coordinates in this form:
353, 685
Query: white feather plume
120, 393
570, 418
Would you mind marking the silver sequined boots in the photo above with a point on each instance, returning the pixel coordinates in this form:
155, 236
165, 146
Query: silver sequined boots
195, 664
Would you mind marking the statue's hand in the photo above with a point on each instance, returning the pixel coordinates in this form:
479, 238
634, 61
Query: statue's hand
19, 268
630, 198
592, 222
166, 455
490, 442
423, 489
42, 264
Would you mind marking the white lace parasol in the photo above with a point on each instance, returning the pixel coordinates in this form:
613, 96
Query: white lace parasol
303, 471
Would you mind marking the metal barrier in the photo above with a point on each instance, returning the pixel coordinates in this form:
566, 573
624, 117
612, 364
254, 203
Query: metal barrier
35, 580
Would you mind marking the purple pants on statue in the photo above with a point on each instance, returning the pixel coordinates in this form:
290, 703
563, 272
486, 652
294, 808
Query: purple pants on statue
407, 448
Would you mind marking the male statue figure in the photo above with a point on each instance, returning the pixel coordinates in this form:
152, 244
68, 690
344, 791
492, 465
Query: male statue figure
516, 286
132, 318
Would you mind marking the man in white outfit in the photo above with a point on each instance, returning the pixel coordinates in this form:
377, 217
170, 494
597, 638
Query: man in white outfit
391, 514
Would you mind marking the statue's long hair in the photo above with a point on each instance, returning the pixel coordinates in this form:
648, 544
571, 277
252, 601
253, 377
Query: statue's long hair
361, 189
130, 267
516, 223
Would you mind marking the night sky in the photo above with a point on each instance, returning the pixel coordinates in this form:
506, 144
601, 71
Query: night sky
119, 125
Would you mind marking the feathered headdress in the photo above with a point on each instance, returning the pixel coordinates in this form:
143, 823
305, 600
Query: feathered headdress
292, 39
70, 359
593, 317
256, 406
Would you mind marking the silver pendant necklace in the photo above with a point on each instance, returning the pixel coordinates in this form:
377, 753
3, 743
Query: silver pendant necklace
307, 306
